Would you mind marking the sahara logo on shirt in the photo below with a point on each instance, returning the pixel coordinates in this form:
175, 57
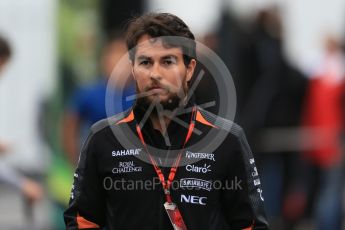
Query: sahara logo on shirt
126, 167
126, 152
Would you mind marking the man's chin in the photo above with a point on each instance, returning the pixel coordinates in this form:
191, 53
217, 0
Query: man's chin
158, 99
160, 102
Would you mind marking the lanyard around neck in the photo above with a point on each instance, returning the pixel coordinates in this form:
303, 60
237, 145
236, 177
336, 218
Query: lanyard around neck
167, 183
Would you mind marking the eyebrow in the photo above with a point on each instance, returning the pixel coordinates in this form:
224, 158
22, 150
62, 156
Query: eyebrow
144, 57
170, 56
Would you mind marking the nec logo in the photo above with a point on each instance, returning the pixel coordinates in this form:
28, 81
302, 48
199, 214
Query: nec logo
193, 199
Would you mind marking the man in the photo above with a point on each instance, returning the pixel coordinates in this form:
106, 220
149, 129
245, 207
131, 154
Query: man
107, 193
31, 190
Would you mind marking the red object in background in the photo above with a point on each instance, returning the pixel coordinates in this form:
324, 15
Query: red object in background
324, 113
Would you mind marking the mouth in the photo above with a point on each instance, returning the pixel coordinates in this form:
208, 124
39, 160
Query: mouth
155, 87
156, 90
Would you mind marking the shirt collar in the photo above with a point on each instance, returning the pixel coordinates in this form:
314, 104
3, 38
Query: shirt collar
177, 128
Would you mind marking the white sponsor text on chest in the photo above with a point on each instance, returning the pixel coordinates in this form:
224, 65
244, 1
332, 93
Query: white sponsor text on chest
126, 152
127, 167
209, 156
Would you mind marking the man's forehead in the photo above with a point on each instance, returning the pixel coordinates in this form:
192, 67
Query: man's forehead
150, 47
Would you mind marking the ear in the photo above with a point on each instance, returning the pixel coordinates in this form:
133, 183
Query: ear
190, 69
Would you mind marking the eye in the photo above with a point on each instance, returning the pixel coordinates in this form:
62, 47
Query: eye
169, 61
144, 63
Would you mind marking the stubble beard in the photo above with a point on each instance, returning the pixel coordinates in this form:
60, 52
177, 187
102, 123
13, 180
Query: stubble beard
170, 104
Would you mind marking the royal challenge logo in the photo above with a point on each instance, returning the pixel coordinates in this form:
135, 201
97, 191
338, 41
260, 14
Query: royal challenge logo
126, 167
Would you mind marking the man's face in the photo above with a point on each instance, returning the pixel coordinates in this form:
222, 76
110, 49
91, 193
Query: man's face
160, 72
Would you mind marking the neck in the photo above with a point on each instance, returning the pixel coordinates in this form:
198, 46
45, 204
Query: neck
161, 121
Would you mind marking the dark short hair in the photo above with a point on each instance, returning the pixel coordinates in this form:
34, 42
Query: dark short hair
5, 49
159, 25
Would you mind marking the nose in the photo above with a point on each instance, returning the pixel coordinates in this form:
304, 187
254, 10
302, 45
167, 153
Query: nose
155, 72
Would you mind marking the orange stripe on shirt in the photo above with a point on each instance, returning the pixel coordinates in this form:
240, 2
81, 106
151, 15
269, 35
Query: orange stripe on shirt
201, 119
84, 223
129, 118
249, 228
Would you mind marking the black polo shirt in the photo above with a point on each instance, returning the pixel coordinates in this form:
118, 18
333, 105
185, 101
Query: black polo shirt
116, 187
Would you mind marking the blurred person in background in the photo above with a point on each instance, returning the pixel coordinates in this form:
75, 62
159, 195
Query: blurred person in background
324, 119
276, 98
270, 96
31, 189
88, 103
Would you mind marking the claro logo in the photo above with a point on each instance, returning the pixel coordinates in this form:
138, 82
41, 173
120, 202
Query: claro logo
197, 169
193, 199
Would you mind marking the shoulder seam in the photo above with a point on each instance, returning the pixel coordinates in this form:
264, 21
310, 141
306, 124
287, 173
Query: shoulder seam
106, 122
222, 123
